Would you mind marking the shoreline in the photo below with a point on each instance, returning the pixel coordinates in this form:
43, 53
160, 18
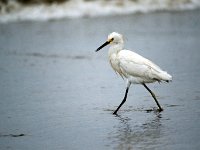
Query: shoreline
14, 11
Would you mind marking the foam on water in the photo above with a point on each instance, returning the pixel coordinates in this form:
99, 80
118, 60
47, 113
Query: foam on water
14, 11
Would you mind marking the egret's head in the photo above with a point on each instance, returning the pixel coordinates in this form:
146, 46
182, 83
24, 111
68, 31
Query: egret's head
113, 38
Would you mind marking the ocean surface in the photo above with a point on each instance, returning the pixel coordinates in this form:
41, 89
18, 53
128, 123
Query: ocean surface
20, 10
56, 92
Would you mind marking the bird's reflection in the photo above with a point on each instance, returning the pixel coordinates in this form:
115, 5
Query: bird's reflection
129, 135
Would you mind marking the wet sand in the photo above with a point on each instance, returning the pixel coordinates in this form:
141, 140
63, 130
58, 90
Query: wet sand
57, 93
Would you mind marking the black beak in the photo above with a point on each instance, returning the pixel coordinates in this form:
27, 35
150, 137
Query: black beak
106, 43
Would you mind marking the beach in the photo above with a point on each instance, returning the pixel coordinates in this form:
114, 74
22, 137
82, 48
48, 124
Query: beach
58, 93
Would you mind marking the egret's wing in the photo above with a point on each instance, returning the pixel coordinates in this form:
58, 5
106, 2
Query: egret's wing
131, 68
133, 64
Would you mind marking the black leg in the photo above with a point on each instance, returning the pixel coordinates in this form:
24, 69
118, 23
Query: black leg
154, 97
123, 101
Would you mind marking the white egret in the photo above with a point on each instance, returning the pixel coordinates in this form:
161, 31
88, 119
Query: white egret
132, 66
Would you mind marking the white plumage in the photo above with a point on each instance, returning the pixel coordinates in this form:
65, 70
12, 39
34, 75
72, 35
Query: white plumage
132, 66
139, 69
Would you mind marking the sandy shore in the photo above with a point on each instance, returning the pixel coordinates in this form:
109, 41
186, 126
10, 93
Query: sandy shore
57, 93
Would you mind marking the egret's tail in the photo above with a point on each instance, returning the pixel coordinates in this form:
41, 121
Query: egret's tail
165, 76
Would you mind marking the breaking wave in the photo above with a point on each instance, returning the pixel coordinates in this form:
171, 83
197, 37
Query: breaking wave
13, 10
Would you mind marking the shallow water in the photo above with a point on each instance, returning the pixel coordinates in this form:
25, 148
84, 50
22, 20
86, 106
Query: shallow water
57, 93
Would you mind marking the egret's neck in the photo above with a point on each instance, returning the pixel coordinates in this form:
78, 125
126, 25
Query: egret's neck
115, 48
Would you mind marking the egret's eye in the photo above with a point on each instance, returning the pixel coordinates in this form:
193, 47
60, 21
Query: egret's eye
110, 40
